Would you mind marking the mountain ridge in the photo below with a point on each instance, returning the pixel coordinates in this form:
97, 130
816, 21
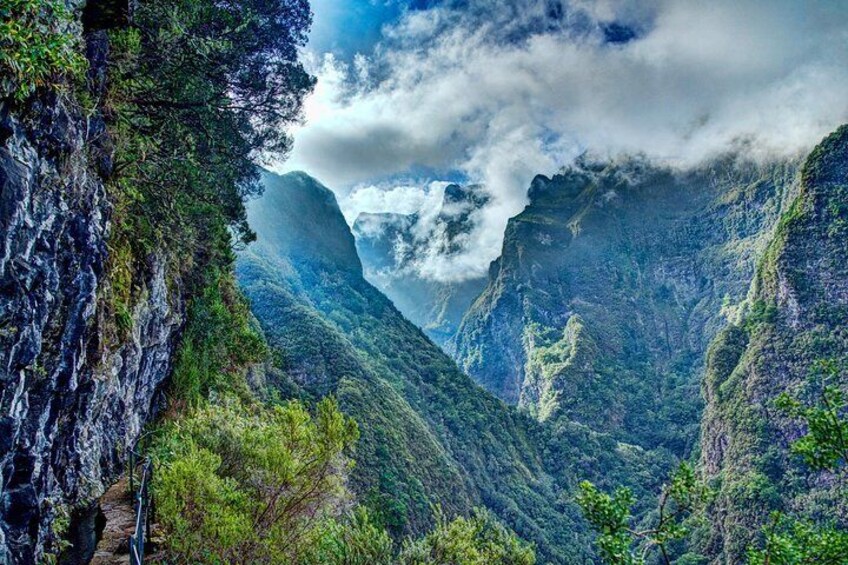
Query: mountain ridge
637, 259
793, 320
392, 246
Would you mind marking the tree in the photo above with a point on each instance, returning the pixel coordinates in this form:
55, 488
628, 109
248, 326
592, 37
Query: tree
241, 484
352, 540
477, 540
198, 93
619, 543
799, 542
823, 447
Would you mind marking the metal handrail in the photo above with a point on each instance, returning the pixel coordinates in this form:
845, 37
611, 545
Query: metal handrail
144, 509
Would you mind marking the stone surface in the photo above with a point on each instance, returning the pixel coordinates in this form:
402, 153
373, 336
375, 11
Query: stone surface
116, 504
71, 400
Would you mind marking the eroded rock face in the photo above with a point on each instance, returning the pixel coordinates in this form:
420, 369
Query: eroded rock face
610, 286
799, 304
71, 401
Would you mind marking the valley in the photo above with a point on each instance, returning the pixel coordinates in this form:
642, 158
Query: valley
423, 283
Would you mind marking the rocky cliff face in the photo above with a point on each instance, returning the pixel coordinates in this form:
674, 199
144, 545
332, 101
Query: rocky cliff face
74, 393
393, 246
796, 317
611, 284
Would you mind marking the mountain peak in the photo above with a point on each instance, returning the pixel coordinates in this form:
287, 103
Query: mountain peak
300, 218
828, 163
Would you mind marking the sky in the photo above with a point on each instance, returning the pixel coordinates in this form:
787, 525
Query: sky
413, 94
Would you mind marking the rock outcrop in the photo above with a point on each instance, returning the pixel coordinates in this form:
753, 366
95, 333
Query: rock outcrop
795, 317
74, 395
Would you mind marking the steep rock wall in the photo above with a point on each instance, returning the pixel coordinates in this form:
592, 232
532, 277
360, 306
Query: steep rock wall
74, 395
610, 285
799, 302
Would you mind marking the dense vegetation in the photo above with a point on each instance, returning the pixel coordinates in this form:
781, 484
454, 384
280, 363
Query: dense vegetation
195, 93
773, 446
38, 47
245, 477
267, 417
241, 485
620, 543
784, 540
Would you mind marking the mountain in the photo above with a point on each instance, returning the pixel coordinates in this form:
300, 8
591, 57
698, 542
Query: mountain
429, 434
392, 247
610, 286
795, 318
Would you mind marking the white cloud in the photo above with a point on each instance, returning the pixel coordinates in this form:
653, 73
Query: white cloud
494, 92
399, 199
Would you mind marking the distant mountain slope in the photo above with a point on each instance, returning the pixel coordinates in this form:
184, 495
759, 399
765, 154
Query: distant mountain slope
391, 247
796, 316
429, 434
610, 286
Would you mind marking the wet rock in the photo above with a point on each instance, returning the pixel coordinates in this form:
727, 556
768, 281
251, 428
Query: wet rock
70, 406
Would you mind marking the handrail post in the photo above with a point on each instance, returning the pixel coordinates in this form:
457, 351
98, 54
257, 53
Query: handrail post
143, 511
147, 499
130, 470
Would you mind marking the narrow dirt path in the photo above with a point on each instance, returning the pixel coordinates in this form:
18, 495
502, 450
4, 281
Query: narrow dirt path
117, 507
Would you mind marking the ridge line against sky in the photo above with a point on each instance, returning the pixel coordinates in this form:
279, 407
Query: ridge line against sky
413, 95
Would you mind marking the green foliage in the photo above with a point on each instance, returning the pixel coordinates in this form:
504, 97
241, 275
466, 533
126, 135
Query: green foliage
621, 544
825, 444
197, 93
761, 313
57, 541
823, 447
37, 46
792, 542
477, 540
247, 485
218, 340
353, 540
610, 516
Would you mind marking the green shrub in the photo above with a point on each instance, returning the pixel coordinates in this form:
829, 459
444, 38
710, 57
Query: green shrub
218, 341
37, 46
478, 540
251, 485
352, 540
792, 542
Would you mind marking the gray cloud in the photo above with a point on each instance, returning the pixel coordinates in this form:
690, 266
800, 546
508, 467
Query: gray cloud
501, 91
